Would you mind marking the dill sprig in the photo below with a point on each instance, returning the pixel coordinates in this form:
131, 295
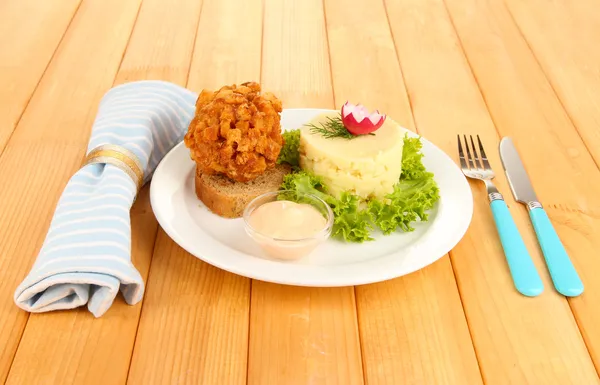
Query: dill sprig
332, 128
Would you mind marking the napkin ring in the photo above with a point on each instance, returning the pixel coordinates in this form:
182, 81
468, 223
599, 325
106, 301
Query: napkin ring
120, 157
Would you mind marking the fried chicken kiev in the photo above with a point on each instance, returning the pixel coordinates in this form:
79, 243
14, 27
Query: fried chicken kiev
235, 132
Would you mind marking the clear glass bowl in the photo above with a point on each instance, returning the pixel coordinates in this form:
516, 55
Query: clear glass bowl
288, 248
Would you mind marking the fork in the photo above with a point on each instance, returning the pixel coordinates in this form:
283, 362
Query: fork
477, 166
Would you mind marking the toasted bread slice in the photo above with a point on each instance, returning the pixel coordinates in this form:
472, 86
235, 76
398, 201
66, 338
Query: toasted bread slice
228, 199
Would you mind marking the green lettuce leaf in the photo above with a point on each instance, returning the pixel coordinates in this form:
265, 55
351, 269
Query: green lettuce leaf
355, 218
415, 193
412, 159
350, 222
290, 152
304, 183
408, 203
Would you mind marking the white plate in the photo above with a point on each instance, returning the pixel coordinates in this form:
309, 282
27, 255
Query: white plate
224, 243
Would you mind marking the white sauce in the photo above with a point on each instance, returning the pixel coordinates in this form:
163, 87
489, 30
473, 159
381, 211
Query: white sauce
286, 229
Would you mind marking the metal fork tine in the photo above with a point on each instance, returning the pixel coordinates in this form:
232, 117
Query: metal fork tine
476, 157
486, 164
469, 157
461, 154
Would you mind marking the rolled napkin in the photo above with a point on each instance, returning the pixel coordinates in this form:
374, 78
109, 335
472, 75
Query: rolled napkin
86, 255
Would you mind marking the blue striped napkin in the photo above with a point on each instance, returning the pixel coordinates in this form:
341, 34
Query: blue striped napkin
86, 256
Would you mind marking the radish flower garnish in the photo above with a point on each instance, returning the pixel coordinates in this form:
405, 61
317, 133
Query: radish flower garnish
358, 120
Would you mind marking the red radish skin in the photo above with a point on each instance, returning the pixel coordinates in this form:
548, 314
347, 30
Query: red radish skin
358, 120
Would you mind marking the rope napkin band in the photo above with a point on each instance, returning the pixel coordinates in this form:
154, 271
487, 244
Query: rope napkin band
119, 157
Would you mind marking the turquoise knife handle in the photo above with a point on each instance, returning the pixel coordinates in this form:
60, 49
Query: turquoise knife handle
525, 276
565, 278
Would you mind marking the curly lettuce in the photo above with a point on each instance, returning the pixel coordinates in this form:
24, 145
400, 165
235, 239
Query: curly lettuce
408, 203
412, 159
290, 151
355, 218
350, 222
415, 193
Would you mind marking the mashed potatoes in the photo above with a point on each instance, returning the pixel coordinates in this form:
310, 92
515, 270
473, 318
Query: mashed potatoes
369, 165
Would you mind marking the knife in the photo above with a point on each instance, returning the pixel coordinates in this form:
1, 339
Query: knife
563, 273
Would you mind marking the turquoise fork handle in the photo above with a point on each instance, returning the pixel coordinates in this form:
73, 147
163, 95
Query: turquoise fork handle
563, 273
525, 276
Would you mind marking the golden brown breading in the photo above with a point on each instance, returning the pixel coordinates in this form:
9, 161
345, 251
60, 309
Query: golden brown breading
235, 132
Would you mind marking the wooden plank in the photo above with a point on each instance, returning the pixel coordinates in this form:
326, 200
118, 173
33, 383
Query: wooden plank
228, 44
194, 324
295, 55
563, 36
413, 329
162, 42
73, 346
524, 106
48, 145
301, 335
363, 59
318, 337
518, 340
30, 31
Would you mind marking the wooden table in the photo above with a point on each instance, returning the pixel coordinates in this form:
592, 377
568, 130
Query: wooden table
525, 68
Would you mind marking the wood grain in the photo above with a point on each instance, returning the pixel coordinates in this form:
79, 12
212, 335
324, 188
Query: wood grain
48, 145
517, 339
524, 106
28, 40
412, 329
194, 324
162, 42
228, 44
363, 59
563, 36
300, 335
99, 350
295, 58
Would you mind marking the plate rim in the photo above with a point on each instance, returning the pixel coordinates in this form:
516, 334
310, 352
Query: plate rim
383, 275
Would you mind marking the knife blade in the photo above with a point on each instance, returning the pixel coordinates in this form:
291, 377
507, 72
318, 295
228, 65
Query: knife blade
518, 180
563, 273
